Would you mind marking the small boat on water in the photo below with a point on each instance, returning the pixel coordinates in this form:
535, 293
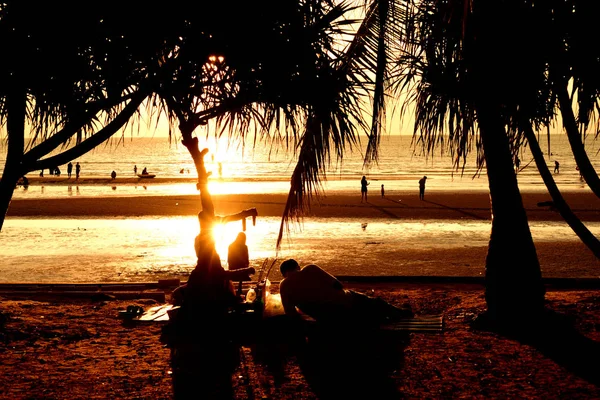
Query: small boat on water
146, 176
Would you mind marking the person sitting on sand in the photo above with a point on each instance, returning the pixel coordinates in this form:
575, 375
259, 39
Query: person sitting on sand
209, 289
237, 256
209, 286
322, 296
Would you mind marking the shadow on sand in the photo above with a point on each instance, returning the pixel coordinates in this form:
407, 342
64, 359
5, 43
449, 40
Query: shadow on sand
383, 210
556, 337
459, 210
336, 364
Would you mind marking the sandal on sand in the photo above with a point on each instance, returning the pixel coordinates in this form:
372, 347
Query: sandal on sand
131, 312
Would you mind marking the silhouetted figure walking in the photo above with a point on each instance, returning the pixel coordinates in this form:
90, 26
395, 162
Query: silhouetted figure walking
77, 170
382, 191
69, 169
113, 175
556, 167
363, 188
422, 188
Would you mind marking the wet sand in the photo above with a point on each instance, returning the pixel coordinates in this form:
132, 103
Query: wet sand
401, 205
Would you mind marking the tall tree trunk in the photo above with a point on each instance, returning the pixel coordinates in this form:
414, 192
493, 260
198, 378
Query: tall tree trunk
559, 202
581, 157
514, 289
13, 169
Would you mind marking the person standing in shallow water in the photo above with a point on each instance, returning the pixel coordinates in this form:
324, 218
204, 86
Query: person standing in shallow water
382, 191
69, 169
363, 188
77, 170
556, 167
422, 188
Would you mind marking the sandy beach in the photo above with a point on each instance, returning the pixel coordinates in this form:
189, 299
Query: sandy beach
559, 257
399, 205
56, 348
77, 348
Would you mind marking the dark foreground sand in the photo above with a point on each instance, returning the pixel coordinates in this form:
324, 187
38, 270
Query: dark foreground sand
58, 349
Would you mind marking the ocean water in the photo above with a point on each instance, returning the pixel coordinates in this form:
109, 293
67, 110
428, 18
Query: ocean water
147, 249
261, 168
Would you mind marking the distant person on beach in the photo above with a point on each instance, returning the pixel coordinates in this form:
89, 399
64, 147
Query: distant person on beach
422, 188
113, 175
42, 173
322, 296
556, 167
69, 169
382, 191
23, 181
135, 169
77, 170
237, 256
363, 188
517, 163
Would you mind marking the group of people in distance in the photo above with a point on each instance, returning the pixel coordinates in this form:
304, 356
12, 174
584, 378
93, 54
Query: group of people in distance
56, 170
364, 190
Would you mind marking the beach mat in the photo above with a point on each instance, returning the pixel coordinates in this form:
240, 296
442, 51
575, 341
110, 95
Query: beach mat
424, 324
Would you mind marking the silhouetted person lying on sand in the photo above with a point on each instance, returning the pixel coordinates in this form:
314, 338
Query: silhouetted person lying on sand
321, 296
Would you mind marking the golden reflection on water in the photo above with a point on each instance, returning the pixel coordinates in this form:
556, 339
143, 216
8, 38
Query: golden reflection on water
179, 236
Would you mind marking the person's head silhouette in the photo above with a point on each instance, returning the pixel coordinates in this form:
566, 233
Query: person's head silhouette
241, 238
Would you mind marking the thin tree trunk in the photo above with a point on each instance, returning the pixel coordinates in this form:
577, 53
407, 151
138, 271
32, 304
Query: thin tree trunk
514, 289
559, 202
16, 108
581, 157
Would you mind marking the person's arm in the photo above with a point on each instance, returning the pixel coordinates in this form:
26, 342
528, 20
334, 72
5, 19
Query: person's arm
288, 305
242, 274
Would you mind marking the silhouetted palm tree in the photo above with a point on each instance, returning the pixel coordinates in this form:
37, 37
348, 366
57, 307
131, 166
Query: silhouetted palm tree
460, 58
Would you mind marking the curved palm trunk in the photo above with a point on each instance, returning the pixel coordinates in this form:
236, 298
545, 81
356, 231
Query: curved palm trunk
514, 289
16, 107
18, 164
581, 158
559, 202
